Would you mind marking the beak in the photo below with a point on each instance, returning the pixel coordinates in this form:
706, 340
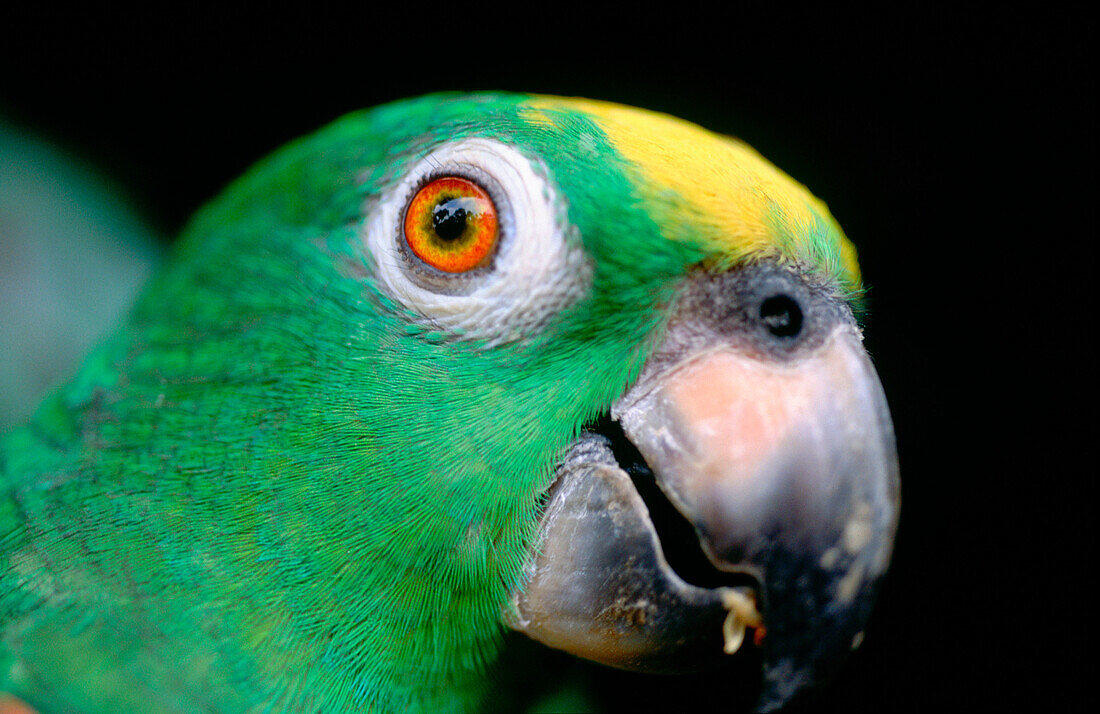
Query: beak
787, 471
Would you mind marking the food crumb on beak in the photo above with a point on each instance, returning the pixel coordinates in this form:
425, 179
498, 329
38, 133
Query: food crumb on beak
742, 614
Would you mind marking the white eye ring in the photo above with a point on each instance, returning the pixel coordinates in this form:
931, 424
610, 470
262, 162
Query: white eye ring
539, 268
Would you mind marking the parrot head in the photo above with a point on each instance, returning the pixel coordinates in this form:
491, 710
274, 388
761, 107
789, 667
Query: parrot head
466, 363
652, 340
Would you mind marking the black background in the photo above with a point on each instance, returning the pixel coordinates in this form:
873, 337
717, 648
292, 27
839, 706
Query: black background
957, 150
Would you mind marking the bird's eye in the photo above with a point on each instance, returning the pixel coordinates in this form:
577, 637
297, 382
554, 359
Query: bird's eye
451, 224
473, 236
781, 315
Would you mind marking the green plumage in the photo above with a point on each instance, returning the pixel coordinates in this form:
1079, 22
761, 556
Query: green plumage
274, 487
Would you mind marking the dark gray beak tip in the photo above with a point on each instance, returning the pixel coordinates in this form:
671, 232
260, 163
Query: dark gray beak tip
816, 616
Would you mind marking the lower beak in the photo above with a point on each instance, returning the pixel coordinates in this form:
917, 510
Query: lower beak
787, 472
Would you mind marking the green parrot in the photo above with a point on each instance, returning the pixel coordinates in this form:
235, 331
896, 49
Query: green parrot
450, 367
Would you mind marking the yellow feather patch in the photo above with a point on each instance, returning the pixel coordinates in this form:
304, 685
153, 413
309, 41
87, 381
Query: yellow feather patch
742, 204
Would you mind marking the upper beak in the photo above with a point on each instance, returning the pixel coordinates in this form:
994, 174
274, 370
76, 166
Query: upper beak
786, 469
788, 472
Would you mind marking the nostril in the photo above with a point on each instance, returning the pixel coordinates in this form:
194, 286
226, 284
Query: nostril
781, 315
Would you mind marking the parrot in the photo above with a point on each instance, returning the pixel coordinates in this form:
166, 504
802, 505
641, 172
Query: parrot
449, 373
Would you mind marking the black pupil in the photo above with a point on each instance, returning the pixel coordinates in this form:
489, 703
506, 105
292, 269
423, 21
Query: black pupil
782, 316
449, 219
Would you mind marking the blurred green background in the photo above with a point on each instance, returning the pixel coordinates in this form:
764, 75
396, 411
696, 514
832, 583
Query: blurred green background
73, 253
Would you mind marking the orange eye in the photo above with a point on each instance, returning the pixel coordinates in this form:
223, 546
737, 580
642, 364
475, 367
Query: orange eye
451, 224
